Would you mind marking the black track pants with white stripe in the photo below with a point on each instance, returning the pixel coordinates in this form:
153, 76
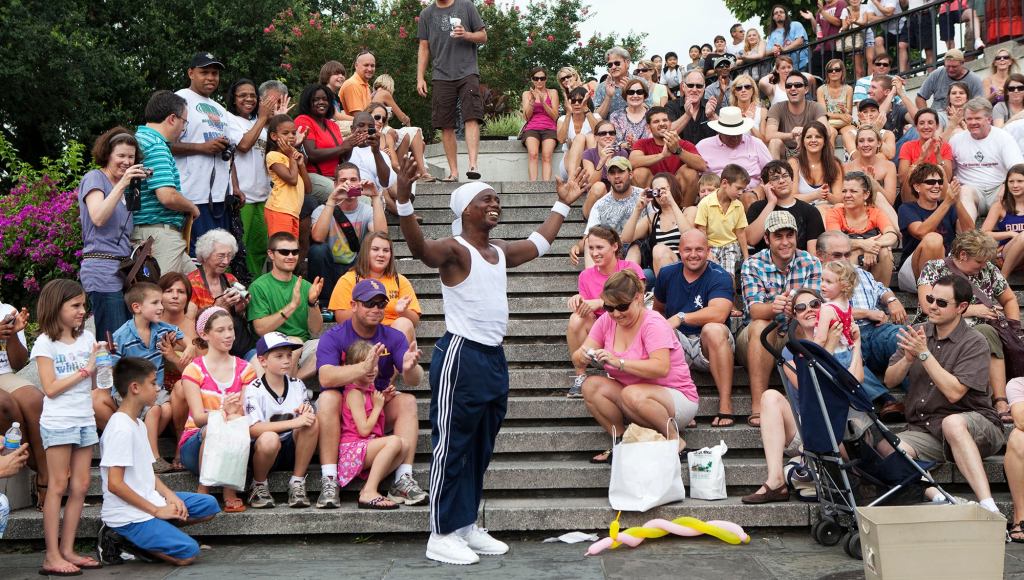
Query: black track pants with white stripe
469, 397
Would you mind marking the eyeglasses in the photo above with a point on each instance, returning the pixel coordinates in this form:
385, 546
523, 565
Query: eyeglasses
884, 63
564, 78
632, 92
694, 85
617, 307
932, 182
605, 133
184, 122
540, 78
1002, 57
813, 305
287, 251
744, 87
1015, 89
642, 70
795, 85
835, 70
378, 304
840, 255
779, 177
576, 101
941, 302
615, 64
379, 117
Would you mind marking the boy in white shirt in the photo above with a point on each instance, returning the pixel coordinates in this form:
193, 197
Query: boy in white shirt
137, 507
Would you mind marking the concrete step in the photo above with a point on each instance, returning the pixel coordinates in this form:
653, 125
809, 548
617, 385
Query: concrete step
537, 200
560, 247
566, 283
509, 215
539, 327
536, 305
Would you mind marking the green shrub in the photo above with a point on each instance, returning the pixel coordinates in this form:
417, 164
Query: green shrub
507, 125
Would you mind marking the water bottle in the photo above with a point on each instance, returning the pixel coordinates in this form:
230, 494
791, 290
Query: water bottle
12, 440
104, 368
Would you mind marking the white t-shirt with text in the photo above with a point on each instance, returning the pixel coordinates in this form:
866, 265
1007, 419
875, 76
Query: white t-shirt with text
5, 363
73, 407
982, 163
207, 120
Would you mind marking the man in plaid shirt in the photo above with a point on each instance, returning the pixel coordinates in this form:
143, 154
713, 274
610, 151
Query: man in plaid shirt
768, 279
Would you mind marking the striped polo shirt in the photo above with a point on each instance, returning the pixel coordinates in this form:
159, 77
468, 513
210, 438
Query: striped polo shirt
156, 155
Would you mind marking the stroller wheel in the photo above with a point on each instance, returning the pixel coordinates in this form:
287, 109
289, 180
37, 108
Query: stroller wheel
827, 532
852, 545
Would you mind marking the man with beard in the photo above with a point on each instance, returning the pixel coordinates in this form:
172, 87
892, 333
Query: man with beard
612, 210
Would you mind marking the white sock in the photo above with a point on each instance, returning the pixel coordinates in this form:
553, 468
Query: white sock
297, 479
465, 529
264, 482
329, 470
405, 468
989, 504
939, 498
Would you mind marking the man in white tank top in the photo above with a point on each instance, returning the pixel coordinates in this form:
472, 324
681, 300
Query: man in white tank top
468, 372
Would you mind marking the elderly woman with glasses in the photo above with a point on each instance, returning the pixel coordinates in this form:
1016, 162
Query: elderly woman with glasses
872, 234
211, 284
971, 256
647, 380
540, 134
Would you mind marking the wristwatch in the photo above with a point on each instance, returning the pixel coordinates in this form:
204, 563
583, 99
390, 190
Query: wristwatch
924, 356
682, 317
622, 364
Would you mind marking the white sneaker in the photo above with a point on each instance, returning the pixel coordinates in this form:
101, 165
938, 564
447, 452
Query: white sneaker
482, 543
450, 549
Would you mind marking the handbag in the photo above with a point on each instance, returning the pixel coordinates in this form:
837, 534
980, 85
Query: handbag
645, 475
225, 452
646, 244
707, 472
139, 266
1009, 330
852, 42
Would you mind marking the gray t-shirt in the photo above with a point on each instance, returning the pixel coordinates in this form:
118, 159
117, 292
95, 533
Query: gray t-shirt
787, 120
937, 86
613, 213
453, 58
100, 275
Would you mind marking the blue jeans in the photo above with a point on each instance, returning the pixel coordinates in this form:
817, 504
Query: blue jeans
873, 387
110, 312
211, 216
878, 344
321, 263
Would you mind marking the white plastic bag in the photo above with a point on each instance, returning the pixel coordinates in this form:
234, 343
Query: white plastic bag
225, 452
707, 472
645, 475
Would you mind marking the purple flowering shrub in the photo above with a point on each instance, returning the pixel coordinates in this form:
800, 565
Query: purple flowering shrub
40, 232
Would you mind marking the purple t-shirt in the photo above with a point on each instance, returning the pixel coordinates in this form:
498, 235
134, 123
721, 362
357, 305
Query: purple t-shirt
334, 343
98, 275
592, 156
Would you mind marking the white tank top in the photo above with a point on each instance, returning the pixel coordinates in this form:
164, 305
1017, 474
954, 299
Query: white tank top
477, 308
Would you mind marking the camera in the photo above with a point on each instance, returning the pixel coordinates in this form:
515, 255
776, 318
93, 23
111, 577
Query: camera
371, 131
652, 194
228, 153
133, 194
240, 288
354, 192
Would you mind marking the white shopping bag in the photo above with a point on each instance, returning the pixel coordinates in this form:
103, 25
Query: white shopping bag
225, 452
707, 472
645, 475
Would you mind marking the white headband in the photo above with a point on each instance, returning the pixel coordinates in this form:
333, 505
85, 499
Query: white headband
461, 198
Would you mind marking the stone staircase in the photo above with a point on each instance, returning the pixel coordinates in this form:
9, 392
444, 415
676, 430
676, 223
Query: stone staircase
540, 478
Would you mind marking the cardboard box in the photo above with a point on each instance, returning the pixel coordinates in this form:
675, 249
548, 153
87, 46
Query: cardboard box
932, 541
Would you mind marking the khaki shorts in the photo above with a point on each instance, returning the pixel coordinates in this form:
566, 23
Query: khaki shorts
447, 98
989, 438
169, 247
695, 357
10, 382
995, 344
743, 343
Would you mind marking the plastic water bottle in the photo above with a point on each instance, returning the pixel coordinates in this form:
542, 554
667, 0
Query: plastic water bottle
12, 440
104, 368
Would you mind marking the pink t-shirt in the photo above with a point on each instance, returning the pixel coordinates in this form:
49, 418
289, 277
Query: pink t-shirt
592, 281
655, 334
1015, 390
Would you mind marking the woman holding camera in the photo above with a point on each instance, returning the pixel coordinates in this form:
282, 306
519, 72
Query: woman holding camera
103, 197
211, 284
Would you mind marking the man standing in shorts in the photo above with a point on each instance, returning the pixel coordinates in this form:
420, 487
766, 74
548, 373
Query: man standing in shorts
468, 371
451, 30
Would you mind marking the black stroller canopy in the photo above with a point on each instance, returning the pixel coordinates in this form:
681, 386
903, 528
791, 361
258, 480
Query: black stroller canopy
839, 389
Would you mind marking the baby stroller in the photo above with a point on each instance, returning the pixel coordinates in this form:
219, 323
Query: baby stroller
822, 407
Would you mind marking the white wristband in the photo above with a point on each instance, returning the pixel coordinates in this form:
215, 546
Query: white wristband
542, 244
404, 209
561, 209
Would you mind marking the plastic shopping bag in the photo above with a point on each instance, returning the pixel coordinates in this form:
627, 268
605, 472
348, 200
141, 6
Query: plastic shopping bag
645, 475
707, 472
226, 452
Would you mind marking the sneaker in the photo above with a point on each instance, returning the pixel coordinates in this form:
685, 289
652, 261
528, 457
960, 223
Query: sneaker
109, 547
576, 390
297, 495
450, 549
407, 491
260, 497
482, 543
328, 494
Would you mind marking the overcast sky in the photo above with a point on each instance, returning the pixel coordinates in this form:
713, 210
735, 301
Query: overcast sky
671, 25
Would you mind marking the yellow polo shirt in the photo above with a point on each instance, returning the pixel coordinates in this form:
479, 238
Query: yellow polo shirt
721, 225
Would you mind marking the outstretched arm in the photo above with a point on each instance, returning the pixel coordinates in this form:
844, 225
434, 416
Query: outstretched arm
433, 253
522, 251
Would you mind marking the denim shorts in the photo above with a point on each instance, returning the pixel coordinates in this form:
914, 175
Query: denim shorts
83, 436
190, 452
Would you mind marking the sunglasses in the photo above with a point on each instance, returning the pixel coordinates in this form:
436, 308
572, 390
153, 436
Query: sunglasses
615, 64
932, 182
379, 117
565, 78
540, 78
1015, 89
378, 304
605, 133
744, 87
287, 251
1002, 57
941, 302
617, 307
840, 255
576, 101
642, 70
835, 70
884, 63
795, 85
632, 92
694, 86
813, 305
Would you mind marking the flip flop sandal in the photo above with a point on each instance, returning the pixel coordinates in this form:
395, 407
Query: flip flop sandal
724, 417
45, 572
1016, 535
426, 178
607, 457
234, 506
378, 503
449, 179
473, 174
93, 566
754, 417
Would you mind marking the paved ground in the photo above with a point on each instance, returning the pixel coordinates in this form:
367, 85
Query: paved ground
787, 554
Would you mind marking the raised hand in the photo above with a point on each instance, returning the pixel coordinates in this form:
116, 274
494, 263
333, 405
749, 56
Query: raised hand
315, 288
570, 191
402, 303
297, 292
411, 358
407, 174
